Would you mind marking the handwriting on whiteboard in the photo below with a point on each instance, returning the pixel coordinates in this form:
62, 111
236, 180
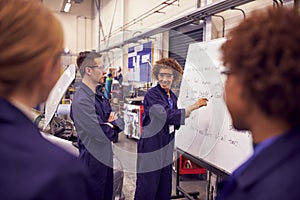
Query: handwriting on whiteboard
208, 132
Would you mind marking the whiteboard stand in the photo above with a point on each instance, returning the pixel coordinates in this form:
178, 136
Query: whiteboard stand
180, 193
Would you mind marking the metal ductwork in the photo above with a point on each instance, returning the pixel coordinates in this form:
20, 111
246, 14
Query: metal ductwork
195, 15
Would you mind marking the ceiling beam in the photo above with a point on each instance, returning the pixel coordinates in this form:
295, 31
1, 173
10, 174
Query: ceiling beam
195, 15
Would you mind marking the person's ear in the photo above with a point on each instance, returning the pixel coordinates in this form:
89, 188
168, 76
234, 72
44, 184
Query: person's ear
88, 70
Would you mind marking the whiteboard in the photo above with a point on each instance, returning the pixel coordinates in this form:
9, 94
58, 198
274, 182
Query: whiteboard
208, 133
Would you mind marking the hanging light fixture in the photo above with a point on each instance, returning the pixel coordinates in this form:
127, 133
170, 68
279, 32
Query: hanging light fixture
67, 6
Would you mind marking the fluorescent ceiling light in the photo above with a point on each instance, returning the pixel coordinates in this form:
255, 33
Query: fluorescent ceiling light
67, 7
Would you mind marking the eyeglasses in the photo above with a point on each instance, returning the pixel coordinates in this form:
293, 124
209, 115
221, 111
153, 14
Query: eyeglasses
59, 55
168, 76
227, 72
97, 66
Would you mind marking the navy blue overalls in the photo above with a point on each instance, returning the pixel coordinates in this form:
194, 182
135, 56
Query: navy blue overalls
156, 145
90, 112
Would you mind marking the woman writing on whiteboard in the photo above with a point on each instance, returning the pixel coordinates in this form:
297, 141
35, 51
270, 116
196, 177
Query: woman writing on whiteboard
262, 95
160, 120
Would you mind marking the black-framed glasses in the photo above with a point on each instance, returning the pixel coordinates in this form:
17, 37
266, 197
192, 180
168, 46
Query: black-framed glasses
227, 72
166, 75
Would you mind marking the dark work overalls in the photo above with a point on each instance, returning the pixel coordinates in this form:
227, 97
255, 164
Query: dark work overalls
156, 145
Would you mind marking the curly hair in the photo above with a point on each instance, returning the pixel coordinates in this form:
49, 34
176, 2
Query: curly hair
168, 63
264, 50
